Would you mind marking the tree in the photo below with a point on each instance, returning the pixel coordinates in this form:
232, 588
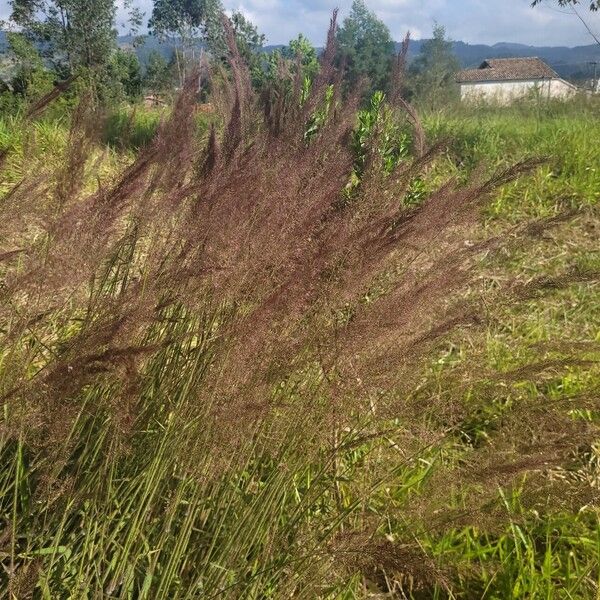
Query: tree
301, 47
249, 42
432, 72
366, 45
30, 77
186, 20
285, 68
126, 74
75, 33
76, 37
157, 77
192, 21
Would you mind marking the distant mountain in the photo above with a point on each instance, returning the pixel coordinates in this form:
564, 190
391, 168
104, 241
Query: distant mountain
149, 45
571, 63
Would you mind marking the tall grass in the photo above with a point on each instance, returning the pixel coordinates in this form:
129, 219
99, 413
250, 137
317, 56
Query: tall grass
132, 129
216, 369
563, 132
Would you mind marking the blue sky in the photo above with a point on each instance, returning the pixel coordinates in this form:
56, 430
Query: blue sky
473, 21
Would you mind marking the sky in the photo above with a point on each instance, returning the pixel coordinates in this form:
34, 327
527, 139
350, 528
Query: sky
472, 21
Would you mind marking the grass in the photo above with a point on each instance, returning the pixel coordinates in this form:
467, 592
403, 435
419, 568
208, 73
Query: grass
143, 480
129, 129
538, 556
564, 133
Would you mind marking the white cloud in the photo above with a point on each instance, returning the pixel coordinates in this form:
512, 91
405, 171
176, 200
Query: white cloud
473, 21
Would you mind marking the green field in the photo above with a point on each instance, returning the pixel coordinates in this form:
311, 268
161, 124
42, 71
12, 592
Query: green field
175, 422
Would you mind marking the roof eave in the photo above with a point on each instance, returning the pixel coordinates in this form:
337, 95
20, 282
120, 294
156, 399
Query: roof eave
507, 80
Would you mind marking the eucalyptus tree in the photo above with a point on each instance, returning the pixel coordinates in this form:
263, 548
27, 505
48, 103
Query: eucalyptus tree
186, 22
365, 45
433, 70
70, 33
75, 38
158, 76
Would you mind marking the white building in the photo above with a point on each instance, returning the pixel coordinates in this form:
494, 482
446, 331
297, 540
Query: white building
502, 80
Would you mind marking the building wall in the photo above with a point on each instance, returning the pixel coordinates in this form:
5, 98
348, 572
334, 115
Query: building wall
502, 92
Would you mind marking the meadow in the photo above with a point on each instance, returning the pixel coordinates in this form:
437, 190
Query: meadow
256, 358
